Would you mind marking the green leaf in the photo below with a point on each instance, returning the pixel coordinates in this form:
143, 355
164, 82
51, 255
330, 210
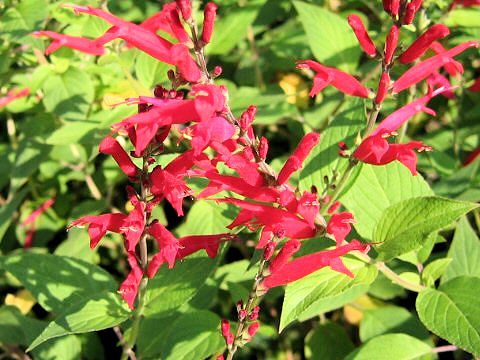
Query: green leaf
405, 226
150, 71
100, 311
324, 159
20, 20
69, 95
231, 27
453, 312
56, 281
65, 348
434, 270
16, 328
464, 252
328, 342
463, 17
7, 210
188, 336
392, 346
391, 319
331, 39
378, 187
303, 295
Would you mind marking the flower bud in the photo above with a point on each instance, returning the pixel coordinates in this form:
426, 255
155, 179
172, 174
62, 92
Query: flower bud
247, 117
411, 10
269, 250
242, 314
252, 329
208, 22
217, 71
391, 44
226, 332
288, 249
423, 43
110, 146
383, 88
254, 314
185, 7
263, 148
361, 33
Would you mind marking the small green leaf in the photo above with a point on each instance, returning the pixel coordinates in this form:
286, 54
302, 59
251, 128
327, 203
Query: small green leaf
150, 71
7, 210
405, 226
434, 270
16, 328
392, 346
464, 252
232, 27
463, 17
328, 342
378, 187
55, 280
391, 319
100, 311
453, 312
188, 336
324, 158
305, 294
65, 348
331, 39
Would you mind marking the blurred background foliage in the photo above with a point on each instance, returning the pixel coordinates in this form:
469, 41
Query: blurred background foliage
49, 149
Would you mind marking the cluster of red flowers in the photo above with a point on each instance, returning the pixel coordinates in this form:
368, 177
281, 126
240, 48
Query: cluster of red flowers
270, 203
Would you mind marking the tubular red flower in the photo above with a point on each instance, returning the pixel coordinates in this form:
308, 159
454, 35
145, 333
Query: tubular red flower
391, 44
471, 157
129, 287
295, 161
423, 43
134, 224
167, 243
185, 7
110, 146
422, 70
453, 67
253, 328
39, 211
145, 41
164, 183
383, 87
209, 21
99, 225
280, 222
339, 226
216, 128
362, 35
308, 207
437, 80
391, 7
288, 249
84, 45
411, 10
325, 76
305, 265
13, 95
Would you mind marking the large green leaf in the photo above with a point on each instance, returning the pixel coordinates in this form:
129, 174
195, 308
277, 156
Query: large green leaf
328, 342
378, 187
187, 336
16, 328
150, 71
388, 320
392, 346
453, 312
324, 158
464, 252
405, 226
331, 39
463, 17
7, 210
55, 280
102, 310
69, 95
18, 21
310, 293
232, 27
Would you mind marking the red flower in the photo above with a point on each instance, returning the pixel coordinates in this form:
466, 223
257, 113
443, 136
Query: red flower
391, 7
411, 10
129, 287
210, 13
111, 147
185, 7
280, 222
325, 76
361, 33
84, 45
30, 220
168, 245
476, 86
423, 42
436, 81
383, 87
214, 129
453, 67
295, 161
13, 95
133, 224
99, 225
227, 332
391, 44
305, 265
427, 67
339, 226
308, 207
253, 328
146, 41
288, 249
